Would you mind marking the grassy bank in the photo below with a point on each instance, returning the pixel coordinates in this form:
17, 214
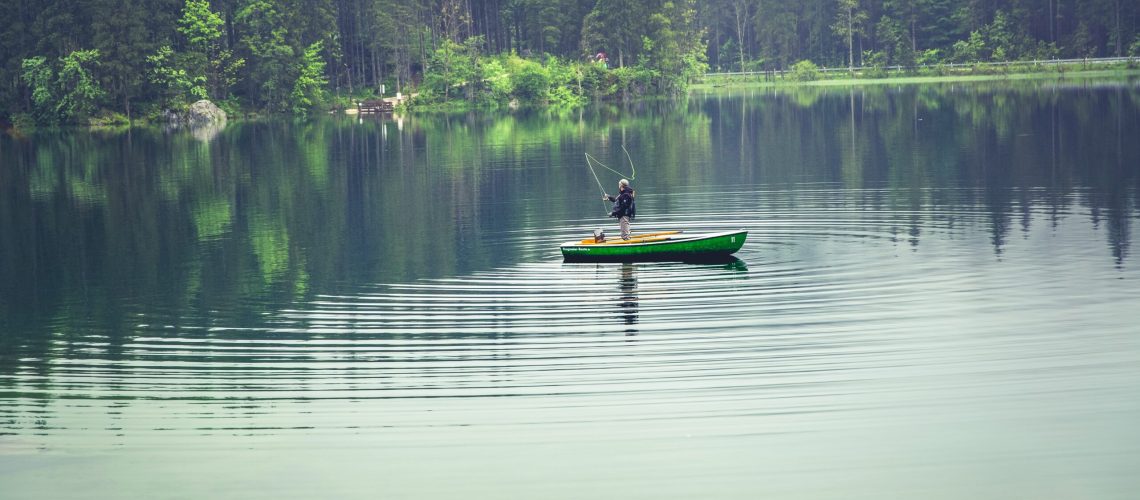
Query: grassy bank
924, 76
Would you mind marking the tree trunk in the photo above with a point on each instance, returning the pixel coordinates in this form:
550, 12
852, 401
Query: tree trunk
913, 43
740, 8
1119, 34
850, 40
1052, 35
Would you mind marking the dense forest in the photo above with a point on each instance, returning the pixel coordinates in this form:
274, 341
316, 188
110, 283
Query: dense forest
68, 60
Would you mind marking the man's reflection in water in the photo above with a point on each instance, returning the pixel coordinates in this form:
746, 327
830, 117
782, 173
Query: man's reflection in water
627, 300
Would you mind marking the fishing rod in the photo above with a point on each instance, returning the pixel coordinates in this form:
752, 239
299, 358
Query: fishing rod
600, 188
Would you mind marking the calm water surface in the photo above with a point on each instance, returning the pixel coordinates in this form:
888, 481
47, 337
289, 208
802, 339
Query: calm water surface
938, 299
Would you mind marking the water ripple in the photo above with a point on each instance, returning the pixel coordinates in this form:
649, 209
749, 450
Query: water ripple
834, 315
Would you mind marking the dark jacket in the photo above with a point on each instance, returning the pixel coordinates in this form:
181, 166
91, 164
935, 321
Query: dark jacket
623, 204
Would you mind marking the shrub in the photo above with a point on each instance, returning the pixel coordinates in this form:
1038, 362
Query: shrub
597, 81
877, 62
929, 57
532, 83
805, 71
231, 105
875, 72
109, 119
497, 80
631, 82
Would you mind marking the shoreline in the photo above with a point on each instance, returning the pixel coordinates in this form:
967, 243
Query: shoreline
736, 82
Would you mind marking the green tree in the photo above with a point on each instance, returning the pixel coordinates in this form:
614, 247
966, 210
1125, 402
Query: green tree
674, 49
969, 50
309, 89
72, 93
174, 82
40, 78
80, 92
849, 23
454, 66
742, 12
125, 32
264, 39
777, 30
893, 42
201, 26
617, 25
205, 56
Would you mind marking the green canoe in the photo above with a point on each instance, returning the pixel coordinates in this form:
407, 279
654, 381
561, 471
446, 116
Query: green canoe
670, 245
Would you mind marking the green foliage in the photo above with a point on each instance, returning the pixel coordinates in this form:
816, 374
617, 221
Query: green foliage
532, 83
271, 59
631, 82
79, 91
1001, 40
969, 50
674, 51
205, 60
617, 26
40, 77
1081, 41
849, 21
565, 82
70, 93
892, 38
453, 68
166, 52
929, 57
875, 65
461, 74
497, 80
177, 87
309, 89
109, 119
805, 71
201, 26
232, 106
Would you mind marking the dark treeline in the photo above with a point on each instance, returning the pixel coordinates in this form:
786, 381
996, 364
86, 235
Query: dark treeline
755, 34
64, 60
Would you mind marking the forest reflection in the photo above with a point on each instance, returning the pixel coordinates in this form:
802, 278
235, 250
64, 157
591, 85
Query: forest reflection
100, 226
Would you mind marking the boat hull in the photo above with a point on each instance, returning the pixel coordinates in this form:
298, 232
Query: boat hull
707, 247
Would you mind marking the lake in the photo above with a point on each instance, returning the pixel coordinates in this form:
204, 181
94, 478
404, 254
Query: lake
938, 299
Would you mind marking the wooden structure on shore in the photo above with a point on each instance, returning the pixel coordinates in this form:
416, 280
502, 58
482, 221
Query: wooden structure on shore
376, 106
385, 105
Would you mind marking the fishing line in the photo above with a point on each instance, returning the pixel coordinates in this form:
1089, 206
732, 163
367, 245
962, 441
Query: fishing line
600, 188
591, 160
634, 176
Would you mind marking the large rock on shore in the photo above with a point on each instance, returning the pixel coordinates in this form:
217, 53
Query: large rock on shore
200, 113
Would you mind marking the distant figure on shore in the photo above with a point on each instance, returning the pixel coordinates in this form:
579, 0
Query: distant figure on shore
602, 59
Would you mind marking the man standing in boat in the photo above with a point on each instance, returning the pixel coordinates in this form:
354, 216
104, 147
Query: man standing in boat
624, 208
